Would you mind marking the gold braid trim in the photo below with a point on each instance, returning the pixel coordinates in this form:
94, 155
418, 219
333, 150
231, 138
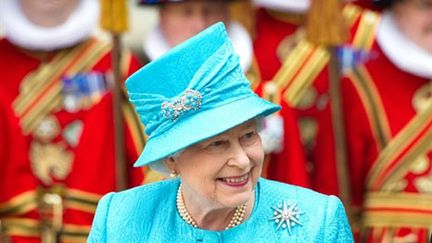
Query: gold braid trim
305, 78
351, 13
365, 34
20, 204
372, 103
32, 105
292, 64
397, 210
415, 137
31, 228
305, 62
81, 200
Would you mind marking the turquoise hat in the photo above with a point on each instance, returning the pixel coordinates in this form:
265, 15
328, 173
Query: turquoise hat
195, 91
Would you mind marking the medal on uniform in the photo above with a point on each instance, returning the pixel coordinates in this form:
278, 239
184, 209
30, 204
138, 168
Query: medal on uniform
83, 90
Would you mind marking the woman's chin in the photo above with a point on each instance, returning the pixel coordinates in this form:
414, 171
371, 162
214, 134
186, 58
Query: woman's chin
233, 198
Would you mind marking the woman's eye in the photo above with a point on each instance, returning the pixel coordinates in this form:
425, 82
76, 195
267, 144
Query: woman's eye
216, 143
249, 137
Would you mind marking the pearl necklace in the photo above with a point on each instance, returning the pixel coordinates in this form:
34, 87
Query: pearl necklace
184, 213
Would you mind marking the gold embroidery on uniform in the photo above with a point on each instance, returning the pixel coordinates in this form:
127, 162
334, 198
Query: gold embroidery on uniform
409, 238
351, 13
420, 165
304, 79
397, 210
396, 186
31, 228
308, 99
20, 204
365, 34
372, 102
47, 129
32, 107
424, 184
308, 130
289, 43
422, 97
421, 146
292, 64
50, 160
417, 136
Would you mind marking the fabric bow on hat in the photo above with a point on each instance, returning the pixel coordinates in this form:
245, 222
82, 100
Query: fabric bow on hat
207, 89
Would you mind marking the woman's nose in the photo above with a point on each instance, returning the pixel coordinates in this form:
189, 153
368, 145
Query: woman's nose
239, 157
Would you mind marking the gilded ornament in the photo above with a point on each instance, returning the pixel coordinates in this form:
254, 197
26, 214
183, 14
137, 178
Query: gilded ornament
424, 184
308, 131
50, 161
72, 132
396, 186
47, 129
308, 99
287, 45
422, 97
420, 165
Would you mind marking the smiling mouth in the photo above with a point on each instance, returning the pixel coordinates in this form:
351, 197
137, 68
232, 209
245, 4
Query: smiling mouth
235, 180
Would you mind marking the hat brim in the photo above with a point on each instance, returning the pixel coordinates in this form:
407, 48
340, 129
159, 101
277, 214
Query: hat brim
203, 125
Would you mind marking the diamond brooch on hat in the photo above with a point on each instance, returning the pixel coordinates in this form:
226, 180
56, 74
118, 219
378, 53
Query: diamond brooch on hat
188, 100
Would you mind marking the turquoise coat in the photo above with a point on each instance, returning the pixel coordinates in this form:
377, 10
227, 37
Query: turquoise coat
148, 214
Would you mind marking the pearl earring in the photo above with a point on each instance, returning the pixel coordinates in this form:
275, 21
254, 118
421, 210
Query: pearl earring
173, 174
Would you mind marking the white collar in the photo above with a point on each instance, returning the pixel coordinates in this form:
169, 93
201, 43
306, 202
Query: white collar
401, 51
20, 31
297, 6
155, 44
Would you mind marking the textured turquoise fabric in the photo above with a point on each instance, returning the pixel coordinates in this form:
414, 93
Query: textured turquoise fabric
148, 214
208, 65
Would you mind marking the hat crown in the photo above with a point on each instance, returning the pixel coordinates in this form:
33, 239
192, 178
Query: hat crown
193, 77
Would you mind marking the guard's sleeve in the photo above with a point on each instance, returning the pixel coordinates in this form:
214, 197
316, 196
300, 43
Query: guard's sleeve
98, 232
337, 228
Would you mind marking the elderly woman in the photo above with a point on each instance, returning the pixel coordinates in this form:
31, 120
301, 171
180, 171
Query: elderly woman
202, 120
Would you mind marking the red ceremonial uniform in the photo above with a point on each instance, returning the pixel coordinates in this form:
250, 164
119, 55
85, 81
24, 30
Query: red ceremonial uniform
57, 144
388, 115
275, 36
299, 71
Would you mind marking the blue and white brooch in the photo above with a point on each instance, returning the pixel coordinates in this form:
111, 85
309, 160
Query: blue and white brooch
287, 216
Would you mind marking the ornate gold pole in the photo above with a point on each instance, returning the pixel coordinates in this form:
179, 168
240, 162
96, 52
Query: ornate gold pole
114, 19
325, 26
51, 212
3, 236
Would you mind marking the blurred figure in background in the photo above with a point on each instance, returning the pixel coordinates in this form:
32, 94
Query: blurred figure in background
388, 114
278, 31
57, 153
180, 20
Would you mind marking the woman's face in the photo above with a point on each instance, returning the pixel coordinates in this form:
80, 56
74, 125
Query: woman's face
180, 21
222, 171
414, 18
